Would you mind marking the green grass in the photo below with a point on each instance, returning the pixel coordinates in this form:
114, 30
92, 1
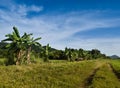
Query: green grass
58, 74
46, 75
2, 61
105, 78
116, 66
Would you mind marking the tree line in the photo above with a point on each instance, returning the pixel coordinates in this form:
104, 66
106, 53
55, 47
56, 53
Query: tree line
18, 49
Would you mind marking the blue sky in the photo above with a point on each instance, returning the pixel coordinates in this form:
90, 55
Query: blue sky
87, 24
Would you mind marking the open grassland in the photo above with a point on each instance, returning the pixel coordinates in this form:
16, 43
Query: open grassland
60, 74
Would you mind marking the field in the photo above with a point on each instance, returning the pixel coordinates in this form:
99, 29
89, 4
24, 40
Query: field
62, 74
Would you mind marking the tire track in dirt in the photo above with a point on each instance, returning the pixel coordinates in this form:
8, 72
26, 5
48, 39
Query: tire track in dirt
115, 72
90, 78
88, 81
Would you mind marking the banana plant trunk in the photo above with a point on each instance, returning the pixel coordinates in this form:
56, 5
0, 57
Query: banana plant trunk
18, 57
28, 55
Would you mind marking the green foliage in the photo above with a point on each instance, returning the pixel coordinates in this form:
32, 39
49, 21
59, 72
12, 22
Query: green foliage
19, 46
10, 59
45, 53
95, 53
71, 54
57, 55
25, 44
80, 53
46, 59
74, 54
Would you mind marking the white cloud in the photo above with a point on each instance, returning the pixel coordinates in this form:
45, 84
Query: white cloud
35, 8
23, 9
58, 30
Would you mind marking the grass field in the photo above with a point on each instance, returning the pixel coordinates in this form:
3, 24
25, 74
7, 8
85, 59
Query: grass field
61, 74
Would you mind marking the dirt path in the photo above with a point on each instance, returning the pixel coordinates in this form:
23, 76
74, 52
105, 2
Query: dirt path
90, 78
88, 81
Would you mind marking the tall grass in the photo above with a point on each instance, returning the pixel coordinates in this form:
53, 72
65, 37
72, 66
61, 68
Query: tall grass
46, 75
58, 74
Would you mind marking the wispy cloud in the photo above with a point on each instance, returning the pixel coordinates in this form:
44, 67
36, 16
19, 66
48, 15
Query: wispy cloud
23, 9
59, 30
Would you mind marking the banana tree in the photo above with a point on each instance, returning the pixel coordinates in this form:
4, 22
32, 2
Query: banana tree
29, 42
80, 53
20, 46
68, 53
15, 44
46, 52
95, 53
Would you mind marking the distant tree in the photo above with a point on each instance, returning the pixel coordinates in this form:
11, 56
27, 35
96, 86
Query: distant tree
95, 53
88, 55
46, 53
80, 53
68, 53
